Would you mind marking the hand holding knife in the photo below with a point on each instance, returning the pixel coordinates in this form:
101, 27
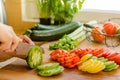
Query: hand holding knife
20, 51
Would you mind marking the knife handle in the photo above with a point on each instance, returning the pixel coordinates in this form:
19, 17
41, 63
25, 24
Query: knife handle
6, 55
20, 52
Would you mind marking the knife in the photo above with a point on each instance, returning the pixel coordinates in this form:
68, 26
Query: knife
20, 52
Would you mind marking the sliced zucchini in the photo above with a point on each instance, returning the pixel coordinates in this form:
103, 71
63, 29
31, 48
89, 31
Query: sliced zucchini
34, 57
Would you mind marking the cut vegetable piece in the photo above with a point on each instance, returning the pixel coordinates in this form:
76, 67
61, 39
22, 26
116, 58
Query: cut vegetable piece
92, 66
34, 57
110, 65
48, 66
103, 59
111, 55
66, 59
51, 72
86, 57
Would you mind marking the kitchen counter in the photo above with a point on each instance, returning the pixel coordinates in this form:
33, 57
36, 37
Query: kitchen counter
18, 70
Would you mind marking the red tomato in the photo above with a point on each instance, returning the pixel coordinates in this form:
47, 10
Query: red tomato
117, 59
65, 58
57, 53
79, 52
97, 34
112, 56
98, 52
106, 53
110, 27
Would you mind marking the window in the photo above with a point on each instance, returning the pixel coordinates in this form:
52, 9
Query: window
29, 10
92, 9
102, 5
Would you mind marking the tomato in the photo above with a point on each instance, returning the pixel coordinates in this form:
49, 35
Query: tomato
110, 27
112, 56
98, 52
106, 53
117, 59
79, 52
65, 58
97, 34
56, 53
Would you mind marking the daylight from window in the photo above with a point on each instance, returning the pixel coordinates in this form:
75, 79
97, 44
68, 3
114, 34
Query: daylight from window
112, 5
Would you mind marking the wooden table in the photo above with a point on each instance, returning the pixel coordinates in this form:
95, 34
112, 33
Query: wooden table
18, 70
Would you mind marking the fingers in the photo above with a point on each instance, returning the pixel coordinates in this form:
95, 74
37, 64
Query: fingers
15, 40
14, 44
26, 39
8, 38
5, 42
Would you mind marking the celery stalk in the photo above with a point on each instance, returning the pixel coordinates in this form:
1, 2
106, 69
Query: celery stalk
82, 33
77, 31
70, 41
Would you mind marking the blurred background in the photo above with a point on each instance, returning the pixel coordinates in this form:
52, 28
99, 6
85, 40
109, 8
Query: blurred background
23, 14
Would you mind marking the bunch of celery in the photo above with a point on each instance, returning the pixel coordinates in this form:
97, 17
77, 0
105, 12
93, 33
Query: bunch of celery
70, 41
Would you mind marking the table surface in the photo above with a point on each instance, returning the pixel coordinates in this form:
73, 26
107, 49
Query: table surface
18, 70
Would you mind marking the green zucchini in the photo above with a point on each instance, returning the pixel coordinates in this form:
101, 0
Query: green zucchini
34, 57
48, 66
45, 27
28, 32
51, 72
54, 34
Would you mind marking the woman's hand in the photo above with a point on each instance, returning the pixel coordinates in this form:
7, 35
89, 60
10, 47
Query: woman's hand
26, 39
8, 39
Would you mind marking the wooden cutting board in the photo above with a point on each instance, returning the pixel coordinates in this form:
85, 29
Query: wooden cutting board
18, 70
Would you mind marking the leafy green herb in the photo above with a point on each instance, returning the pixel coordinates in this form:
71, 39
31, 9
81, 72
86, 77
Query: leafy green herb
59, 10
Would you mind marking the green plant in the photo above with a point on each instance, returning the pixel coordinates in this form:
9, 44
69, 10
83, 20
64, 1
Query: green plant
44, 8
66, 9
61, 11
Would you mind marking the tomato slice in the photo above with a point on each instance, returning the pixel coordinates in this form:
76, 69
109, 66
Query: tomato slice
56, 53
106, 53
97, 52
112, 55
117, 59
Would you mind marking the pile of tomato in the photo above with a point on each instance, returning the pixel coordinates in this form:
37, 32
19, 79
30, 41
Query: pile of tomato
108, 28
65, 58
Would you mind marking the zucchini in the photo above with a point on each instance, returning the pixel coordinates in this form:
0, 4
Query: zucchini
54, 34
48, 66
34, 57
28, 32
51, 72
45, 27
